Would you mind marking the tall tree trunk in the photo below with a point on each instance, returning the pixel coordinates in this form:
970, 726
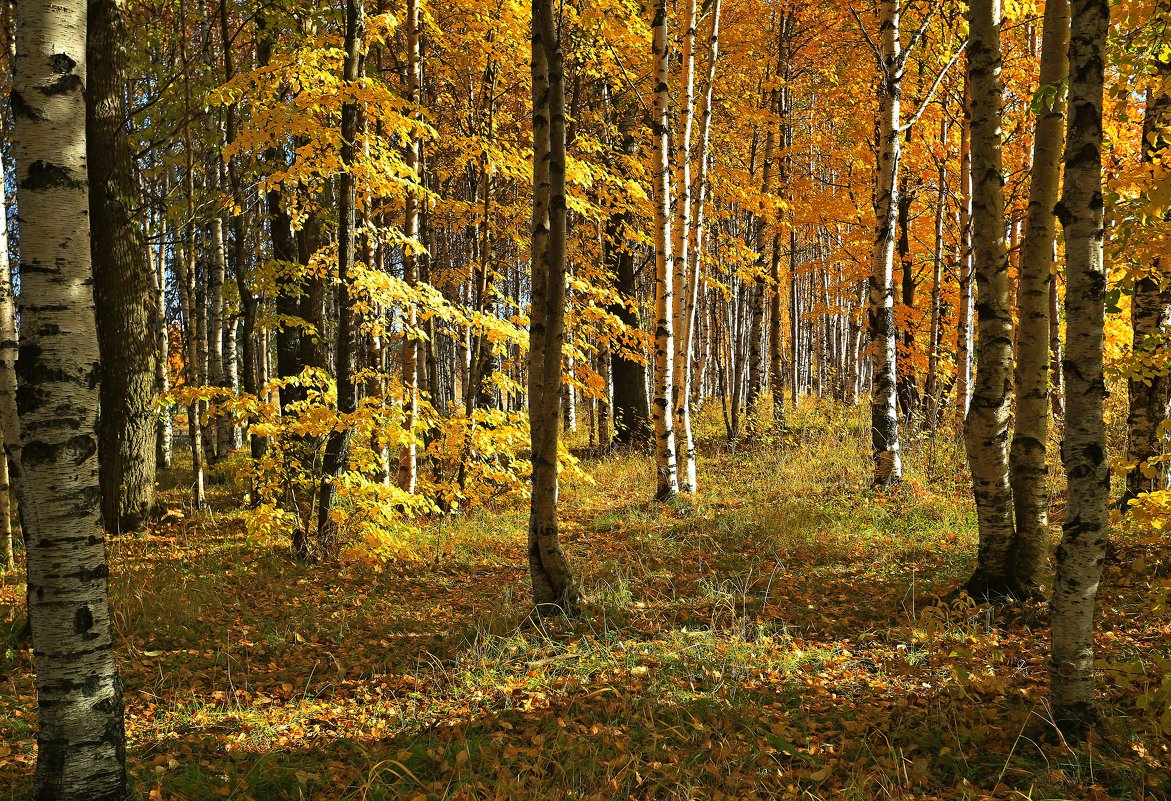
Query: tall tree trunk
1029, 470
931, 386
1150, 319
986, 431
554, 587
667, 474
123, 292
964, 265
251, 375
631, 403
337, 447
696, 234
162, 334
217, 373
81, 741
185, 276
407, 466
9, 417
680, 246
884, 418
756, 361
1084, 533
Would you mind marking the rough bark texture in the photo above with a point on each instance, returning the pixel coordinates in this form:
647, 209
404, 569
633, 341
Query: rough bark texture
986, 430
123, 289
81, 739
884, 417
1084, 533
1150, 318
665, 464
337, 448
631, 411
1029, 470
554, 588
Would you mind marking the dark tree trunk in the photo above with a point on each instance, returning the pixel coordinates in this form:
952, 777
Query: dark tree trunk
123, 286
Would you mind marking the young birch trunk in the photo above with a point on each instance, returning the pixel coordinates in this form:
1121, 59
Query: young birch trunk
1056, 374
554, 588
756, 310
964, 265
125, 302
81, 742
884, 418
680, 246
1029, 470
408, 457
1150, 316
217, 374
1084, 533
986, 430
931, 386
668, 480
337, 447
9, 417
162, 335
185, 276
696, 233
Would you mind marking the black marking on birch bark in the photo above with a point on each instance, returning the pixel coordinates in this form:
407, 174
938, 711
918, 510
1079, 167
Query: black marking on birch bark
62, 63
83, 620
63, 85
75, 449
46, 175
22, 110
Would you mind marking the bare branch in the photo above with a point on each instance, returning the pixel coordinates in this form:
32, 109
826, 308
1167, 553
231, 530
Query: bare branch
873, 47
934, 88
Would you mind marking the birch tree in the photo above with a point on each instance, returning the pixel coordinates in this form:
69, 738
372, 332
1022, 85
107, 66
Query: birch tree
1027, 463
664, 424
1084, 532
892, 60
81, 737
986, 429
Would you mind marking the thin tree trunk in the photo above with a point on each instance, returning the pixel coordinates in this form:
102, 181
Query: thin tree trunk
407, 465
964, 265
932, 384
9, 417
81, 741
1150, 316
1056, 372
680, 246
125, 302
664, 422
162, 333
337, 447
554, 587
1029, 470
884, 418
1084, 537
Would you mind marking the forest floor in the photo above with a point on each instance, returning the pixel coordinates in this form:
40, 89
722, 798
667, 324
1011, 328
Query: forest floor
779, 636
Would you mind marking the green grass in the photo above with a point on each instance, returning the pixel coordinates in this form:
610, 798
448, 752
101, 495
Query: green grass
778, 635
